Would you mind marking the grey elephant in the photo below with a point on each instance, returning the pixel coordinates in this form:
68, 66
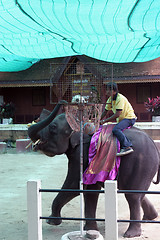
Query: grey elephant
136, 171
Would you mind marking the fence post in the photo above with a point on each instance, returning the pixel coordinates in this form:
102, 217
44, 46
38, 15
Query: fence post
111, 226
34, 206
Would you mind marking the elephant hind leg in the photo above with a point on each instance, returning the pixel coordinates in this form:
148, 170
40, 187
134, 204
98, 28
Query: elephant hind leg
149, 211
134, 202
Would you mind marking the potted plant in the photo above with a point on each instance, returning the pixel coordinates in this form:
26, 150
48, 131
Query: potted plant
153, 106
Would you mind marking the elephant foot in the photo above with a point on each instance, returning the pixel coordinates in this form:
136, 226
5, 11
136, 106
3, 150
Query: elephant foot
90, 226
53, 221
151, 216
150, 212
132, 232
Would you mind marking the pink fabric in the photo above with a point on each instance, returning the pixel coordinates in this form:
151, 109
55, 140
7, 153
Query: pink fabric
103, 163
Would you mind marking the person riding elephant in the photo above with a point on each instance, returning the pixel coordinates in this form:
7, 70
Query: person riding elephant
122, 112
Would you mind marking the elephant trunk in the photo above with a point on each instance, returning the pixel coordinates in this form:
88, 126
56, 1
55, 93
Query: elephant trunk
34, 129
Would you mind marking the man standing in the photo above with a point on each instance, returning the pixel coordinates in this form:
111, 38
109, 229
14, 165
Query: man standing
124, 115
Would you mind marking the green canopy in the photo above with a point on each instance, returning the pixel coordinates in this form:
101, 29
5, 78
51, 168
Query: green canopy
109, 30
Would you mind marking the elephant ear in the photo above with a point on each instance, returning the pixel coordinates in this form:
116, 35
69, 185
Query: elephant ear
75, 139
44, 114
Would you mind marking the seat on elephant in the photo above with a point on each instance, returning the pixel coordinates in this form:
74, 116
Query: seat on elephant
103, 163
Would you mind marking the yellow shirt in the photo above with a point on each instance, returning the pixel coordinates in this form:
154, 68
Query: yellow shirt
123, 104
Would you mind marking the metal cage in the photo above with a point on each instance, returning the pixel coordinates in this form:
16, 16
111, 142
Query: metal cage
71, 80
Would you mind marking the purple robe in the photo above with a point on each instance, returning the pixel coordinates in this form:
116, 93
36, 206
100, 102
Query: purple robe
103, 163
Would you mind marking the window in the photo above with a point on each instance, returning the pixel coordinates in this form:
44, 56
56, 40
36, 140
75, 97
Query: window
143, 92
38, 97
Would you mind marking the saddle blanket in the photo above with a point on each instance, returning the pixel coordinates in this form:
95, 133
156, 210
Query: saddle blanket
103, 163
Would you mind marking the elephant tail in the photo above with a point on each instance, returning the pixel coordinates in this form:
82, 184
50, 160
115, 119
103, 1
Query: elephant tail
158, 176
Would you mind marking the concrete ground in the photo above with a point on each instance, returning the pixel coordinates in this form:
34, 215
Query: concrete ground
17, 169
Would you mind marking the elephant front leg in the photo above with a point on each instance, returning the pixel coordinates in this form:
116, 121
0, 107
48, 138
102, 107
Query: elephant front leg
71, 182
134, 229
91, 200
61, 199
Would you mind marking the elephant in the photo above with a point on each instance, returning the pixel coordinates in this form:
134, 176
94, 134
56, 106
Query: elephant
136, 171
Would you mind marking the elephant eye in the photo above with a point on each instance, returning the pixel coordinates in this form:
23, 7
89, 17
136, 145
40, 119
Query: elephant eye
53, 129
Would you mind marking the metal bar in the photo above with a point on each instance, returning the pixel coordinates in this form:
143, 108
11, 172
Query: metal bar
76, 219
97, 191
100, 219
138, 191
81, 165
139, 221
70, 190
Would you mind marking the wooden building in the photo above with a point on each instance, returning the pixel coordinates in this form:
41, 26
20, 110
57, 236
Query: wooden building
39, 86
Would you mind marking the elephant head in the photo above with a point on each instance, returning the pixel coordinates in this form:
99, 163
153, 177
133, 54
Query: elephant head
52, 133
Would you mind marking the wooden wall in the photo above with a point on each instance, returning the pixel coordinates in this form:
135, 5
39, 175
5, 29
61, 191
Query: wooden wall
26, 112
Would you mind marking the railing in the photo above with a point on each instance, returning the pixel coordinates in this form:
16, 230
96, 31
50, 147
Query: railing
35, 217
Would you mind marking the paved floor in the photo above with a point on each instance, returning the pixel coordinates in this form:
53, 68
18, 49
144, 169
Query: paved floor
17, 169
